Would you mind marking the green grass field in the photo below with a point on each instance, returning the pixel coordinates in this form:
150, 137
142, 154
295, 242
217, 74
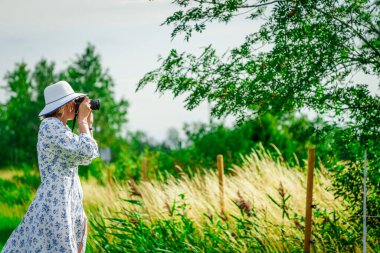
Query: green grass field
264, 212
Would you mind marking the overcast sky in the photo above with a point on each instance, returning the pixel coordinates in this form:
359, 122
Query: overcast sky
128, 36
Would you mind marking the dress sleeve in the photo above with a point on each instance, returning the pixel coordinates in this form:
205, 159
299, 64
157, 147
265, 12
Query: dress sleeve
81, 148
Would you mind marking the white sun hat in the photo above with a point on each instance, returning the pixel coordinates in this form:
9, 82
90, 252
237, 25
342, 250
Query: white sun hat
56, 95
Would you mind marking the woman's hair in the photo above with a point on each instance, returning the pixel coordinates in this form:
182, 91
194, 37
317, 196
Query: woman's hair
55, 113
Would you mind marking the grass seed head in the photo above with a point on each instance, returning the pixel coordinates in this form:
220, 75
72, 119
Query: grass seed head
281, 190
243, 204
134, 190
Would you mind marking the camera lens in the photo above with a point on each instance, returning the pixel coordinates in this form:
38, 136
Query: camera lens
95, 104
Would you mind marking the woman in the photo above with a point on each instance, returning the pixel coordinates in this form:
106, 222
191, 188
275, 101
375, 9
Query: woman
55, 221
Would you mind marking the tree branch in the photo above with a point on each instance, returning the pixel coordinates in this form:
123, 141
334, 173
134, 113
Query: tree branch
377, 52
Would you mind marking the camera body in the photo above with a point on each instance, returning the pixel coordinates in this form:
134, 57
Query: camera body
94, 103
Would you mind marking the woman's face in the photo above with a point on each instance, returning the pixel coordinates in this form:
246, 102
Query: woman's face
70, 110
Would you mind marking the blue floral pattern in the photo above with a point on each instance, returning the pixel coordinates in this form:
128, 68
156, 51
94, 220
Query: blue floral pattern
55, 221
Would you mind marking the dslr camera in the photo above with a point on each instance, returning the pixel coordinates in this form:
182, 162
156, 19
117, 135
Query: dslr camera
94, 103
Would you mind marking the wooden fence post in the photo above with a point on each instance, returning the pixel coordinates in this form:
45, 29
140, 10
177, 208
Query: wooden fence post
144, 169
309, 198
221, 181
109, 174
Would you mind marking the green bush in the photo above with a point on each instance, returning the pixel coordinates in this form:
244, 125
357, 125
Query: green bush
288, 133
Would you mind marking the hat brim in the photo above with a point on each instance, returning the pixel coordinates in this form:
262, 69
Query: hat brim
56, 104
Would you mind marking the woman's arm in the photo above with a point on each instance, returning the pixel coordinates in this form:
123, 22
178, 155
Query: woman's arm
84, 128
85, 117
81, 148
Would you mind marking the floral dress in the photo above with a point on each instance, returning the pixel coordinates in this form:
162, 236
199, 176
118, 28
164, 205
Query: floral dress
55, 221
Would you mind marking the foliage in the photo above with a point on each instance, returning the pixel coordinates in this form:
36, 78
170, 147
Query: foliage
17, 112
271, 223
13, 193
30, 177
7, 225
136, 231
86, 74
348, 182
26, 87
305, 54
313, 47
129, 152
289, 133
21, 188
347, 176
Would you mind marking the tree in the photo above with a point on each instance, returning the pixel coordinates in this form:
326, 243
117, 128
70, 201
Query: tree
19, 122
16, 118
312, 50
86, 74
315, 47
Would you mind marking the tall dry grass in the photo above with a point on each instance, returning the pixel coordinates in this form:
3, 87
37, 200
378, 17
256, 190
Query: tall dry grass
266, 191
275, 193
258, 177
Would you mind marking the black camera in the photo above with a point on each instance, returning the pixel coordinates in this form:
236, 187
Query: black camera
94, 103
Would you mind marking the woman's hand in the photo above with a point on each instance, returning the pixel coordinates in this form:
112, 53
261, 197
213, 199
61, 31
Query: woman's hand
84, 110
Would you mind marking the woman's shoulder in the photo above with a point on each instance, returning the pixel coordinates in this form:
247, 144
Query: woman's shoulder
49, 121
50, 124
